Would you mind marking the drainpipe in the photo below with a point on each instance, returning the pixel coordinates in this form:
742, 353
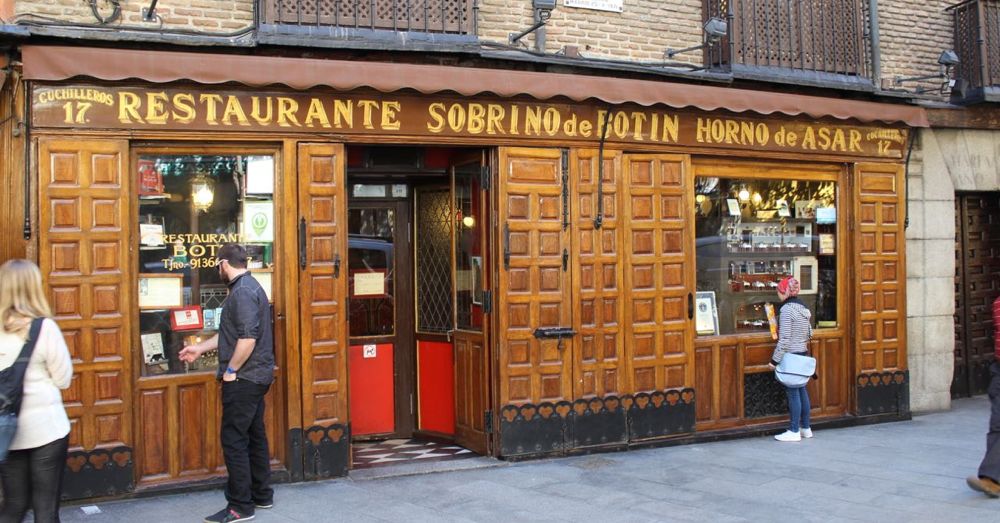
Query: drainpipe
876, 53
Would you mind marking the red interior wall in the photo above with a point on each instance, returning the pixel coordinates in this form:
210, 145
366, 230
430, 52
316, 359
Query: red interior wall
435, 387
372, 400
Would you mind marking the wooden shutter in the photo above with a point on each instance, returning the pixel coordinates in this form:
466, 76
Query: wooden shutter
323, 288
534, 286
597, 275
84, 257
880, 315
659, 272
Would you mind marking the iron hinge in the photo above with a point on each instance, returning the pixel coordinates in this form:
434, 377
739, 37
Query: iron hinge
488, 422
485, 178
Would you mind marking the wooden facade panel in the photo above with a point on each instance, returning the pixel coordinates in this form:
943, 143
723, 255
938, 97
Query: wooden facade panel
154, 432
658, 338
880, 262
322, 201
597, 272
535, 244
83, 198
193, 453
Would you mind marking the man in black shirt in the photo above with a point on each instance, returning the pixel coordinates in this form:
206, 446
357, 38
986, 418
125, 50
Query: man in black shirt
246, 369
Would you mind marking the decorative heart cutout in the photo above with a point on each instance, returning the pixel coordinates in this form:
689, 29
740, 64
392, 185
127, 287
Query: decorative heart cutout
528, 412
98, 460
76, 463
627, 402
900, 378
315, 436
673, 397
563, 409
122, 458
657, 399
596, 405
580, 407
687, 396
886, 379
863, 380
335, 434
642, 401
546, 411
509, 414
611, 403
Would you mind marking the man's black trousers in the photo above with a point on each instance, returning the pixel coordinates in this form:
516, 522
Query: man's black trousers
244, 445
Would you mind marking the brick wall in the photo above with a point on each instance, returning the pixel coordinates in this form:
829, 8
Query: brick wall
210, 16
643, 31
913, 34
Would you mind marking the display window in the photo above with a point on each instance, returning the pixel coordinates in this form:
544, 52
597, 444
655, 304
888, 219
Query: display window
189, 205
750, 234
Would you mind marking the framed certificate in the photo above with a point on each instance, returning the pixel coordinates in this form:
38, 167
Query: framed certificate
161, 291
706, 316
186, 318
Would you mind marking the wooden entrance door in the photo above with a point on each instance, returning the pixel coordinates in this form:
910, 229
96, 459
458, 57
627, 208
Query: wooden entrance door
472, 301
977, 284
380, 305
323, 287
533, 225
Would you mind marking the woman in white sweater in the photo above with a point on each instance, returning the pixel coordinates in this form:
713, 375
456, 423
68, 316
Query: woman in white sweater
32, 473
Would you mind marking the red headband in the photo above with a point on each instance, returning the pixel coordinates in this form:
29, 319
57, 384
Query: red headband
789, 286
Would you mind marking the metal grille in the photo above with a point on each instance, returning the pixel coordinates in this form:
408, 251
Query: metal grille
433, 245
977, 42
428, 16
808, 35
763, 396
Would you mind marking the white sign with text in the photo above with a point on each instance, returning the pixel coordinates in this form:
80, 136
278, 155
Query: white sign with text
599, 5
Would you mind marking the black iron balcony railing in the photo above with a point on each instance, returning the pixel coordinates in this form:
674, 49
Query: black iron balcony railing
822, 40
453, 17
977, 43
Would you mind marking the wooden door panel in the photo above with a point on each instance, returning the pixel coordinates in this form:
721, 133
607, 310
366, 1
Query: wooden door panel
977, 284
471, 381
659, 272
880, 268
322, 202
597, 275
535, 285
84, 258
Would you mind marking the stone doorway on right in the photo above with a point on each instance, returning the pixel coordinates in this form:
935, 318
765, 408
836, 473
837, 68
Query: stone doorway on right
977, 284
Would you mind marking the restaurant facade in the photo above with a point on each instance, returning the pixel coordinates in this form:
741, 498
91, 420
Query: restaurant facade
525, 264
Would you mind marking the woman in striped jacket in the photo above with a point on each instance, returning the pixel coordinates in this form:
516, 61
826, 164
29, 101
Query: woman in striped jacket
794, 331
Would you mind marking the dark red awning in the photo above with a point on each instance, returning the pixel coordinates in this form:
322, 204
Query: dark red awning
58, 63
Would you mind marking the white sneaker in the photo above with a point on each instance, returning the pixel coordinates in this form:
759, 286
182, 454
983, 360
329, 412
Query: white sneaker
788, 436
806, 433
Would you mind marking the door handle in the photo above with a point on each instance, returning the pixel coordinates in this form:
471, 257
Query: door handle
506, 245
336, 266
302, 244
690, 306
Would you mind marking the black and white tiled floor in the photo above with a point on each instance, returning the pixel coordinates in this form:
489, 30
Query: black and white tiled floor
368, 454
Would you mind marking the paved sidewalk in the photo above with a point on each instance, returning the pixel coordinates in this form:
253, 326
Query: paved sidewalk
907, 471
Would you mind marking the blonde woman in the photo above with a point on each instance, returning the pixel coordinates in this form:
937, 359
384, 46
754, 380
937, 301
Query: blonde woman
32, 473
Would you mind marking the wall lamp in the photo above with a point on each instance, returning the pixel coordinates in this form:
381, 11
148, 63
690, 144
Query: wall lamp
947, 60
543, 12
715, 28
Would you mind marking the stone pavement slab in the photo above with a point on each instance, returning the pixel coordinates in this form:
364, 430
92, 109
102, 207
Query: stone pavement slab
911, 471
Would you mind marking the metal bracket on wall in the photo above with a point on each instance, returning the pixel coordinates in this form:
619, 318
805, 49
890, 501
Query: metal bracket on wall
506, 245
565, 188
302, 244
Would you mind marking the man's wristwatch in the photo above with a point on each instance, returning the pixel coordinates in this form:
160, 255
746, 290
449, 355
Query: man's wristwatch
230, 370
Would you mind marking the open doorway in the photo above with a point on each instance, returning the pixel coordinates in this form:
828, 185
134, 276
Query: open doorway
417, 288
